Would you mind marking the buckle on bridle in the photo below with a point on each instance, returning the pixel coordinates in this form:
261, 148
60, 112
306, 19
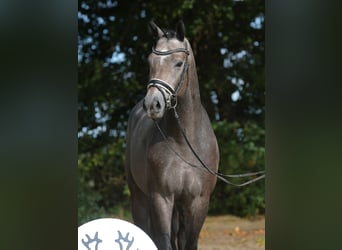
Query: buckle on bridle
171, 103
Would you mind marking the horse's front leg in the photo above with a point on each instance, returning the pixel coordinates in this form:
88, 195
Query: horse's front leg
191, 221
161, 217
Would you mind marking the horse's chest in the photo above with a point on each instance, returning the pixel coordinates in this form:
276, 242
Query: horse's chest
172, 175
185, 182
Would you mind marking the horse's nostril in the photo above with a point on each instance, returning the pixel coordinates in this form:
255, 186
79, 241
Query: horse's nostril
158, 106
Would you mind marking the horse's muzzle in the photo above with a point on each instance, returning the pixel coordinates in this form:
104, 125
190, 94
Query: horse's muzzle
154, 105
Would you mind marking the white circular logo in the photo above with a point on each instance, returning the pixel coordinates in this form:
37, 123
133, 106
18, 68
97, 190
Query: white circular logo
113, 234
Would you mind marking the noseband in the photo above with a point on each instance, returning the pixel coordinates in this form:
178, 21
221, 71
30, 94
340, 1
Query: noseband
163, 86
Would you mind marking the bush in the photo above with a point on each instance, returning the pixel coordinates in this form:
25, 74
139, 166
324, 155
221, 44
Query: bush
88, 198
241, 150
102, 186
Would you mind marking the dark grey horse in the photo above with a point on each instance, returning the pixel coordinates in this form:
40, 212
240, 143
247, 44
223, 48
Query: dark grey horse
170, 197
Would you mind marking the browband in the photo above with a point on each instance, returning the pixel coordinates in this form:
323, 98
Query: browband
164, 53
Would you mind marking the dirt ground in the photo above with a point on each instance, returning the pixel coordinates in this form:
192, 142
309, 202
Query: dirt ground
232, 233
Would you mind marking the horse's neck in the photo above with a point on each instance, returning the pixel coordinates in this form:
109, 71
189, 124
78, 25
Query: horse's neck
191, 100
190, 103
189, 108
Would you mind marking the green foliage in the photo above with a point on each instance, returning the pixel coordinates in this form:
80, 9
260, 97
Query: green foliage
88, 198
114, 44
89, 204
102, 185
241, 150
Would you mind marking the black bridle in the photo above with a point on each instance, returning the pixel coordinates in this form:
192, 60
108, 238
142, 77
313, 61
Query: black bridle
163, 86
171, 103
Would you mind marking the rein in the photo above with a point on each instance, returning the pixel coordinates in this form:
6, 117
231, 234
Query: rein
220, 176
171, 103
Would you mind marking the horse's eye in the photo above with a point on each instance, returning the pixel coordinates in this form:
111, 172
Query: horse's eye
178, 64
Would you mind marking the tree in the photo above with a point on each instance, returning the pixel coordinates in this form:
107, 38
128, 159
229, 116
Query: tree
227, 38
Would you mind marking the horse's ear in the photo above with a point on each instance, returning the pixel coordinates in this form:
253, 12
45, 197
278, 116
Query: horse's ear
180, 31
154, 30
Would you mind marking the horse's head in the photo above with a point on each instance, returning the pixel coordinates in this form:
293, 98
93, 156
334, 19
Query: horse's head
168, 66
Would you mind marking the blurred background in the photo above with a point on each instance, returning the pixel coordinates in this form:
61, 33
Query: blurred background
228, 41
43, 104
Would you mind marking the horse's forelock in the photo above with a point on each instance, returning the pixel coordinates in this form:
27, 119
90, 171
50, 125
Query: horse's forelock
169, 34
